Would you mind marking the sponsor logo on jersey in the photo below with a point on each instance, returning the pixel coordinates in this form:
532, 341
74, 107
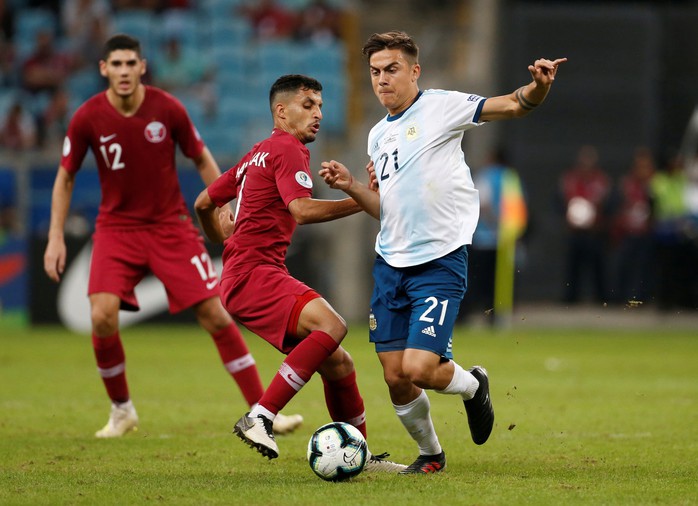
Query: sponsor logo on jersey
106, 138
66, 146
391, 138
155, 132
303, 179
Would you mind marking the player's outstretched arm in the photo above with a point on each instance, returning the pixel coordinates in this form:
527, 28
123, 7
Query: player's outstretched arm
308, 210
525, 99
207, 212
55, 254
337, 176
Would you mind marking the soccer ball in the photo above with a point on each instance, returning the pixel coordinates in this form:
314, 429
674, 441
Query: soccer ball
337, 451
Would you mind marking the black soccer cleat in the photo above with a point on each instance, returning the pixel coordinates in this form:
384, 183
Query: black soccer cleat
258, 433
426, 464
479, 408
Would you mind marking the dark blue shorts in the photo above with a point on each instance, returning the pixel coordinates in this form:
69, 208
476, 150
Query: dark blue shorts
416, 307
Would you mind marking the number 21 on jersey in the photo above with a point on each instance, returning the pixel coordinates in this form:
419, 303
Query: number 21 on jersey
383, 166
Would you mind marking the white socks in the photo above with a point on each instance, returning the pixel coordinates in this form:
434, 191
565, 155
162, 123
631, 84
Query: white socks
416, 418
462, 383
259, 410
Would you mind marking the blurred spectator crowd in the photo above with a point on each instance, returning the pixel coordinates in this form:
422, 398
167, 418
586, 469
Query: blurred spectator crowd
635, 241
217, 56
629, 240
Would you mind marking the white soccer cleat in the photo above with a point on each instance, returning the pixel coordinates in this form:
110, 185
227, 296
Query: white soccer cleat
258, 434
122, 419
379, 464
284, 424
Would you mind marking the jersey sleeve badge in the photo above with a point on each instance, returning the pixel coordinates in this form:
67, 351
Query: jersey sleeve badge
303, 179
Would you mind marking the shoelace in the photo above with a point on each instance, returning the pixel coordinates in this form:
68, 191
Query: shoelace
268, 426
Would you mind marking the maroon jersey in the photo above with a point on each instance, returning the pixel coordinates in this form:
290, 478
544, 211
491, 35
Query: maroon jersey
275, 172
135, 156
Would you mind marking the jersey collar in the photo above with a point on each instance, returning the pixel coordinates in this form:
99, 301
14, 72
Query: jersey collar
399, 115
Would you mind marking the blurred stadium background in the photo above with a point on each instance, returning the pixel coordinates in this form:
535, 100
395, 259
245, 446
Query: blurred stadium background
631, 80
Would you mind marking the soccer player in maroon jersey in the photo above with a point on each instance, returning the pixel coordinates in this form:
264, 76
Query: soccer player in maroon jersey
272, 186
143, 223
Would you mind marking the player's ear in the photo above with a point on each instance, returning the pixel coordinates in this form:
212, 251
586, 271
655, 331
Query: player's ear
144, 67
103, 68
416, 71
280, 110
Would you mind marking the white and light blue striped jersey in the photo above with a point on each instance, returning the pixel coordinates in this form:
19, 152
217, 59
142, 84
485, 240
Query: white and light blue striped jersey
428, 203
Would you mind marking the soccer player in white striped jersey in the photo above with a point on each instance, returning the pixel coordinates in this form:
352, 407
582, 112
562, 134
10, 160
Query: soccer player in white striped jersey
428, 208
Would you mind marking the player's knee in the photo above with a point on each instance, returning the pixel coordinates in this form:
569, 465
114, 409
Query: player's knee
212, 316
336, 328
338, 365
104, 322
396, 380
216, 322
419, 374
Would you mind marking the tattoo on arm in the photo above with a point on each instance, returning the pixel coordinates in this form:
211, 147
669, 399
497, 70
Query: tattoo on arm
523, 101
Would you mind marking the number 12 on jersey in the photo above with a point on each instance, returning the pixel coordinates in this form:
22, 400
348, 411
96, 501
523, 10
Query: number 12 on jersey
114, 149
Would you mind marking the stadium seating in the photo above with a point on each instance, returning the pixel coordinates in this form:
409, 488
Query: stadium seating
28, 23
84, 83
245, 69
188, 29
7, 97
321, 60
228, 32
138, 23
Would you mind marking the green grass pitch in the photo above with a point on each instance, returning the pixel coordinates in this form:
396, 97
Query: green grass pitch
582, 417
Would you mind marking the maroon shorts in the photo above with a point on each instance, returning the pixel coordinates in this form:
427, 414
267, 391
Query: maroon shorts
175, 254
268, 301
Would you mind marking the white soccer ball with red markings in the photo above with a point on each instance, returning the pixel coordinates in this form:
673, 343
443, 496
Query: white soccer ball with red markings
337, 451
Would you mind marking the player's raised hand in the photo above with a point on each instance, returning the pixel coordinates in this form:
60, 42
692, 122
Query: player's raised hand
336, 175
543, 71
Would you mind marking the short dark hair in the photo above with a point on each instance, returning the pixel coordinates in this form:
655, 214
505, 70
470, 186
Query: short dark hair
391, 40
292, 82
121, 41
